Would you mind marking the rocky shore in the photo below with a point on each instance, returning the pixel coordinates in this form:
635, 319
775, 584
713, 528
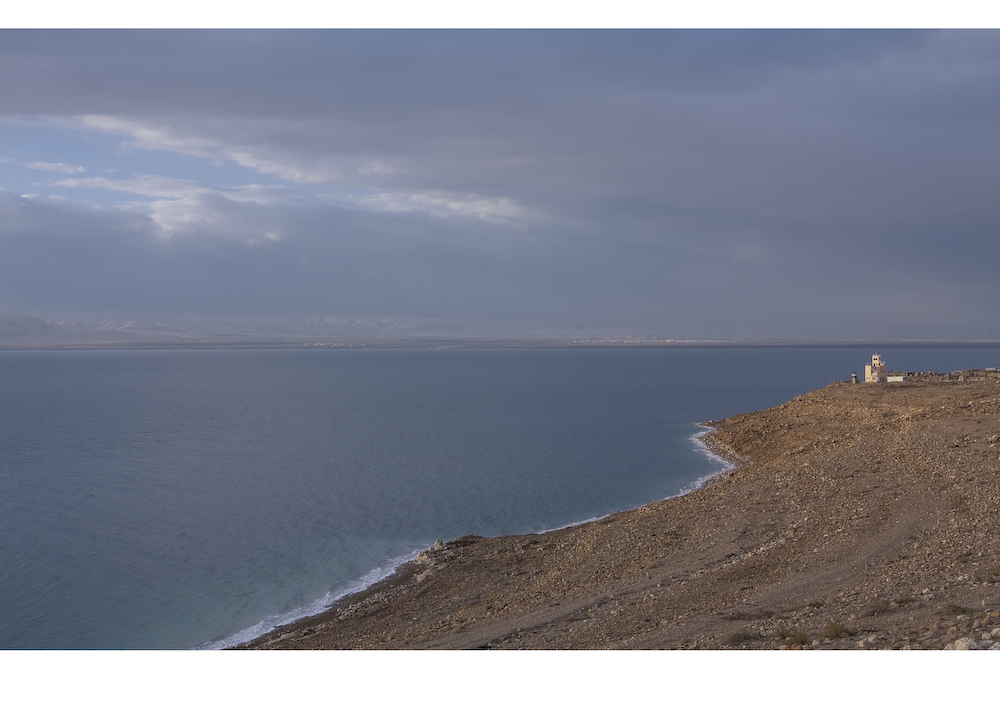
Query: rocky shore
857, 516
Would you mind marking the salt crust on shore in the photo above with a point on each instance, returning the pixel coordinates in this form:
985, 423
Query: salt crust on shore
857, 516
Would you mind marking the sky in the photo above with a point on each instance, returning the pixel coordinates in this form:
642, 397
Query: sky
677, 183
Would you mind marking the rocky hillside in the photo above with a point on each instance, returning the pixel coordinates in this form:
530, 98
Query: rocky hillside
859, 516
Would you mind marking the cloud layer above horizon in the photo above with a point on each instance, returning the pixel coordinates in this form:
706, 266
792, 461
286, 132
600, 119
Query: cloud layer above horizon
796, 184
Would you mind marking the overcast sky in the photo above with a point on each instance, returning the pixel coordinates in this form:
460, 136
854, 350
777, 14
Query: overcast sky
814, 184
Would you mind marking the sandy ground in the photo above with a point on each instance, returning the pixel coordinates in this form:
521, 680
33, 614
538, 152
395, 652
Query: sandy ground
858, 516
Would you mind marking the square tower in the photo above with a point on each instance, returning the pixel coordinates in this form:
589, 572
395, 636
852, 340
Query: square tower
876, 371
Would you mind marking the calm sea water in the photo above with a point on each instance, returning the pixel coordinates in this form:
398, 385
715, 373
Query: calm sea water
181, 499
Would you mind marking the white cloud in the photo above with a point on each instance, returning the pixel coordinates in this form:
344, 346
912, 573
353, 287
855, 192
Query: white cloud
173, 219
169, 188
56, 167
265, 149
211, 214
163, 187
280, 155
189, 208
259, 157
439, 203
54, 198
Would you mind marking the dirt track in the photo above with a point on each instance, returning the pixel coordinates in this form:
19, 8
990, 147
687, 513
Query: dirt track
859, 516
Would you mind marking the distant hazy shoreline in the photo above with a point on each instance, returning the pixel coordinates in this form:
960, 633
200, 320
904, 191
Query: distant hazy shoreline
477, 344
137, 332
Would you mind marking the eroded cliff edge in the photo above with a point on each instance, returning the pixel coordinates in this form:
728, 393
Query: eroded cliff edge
859, 516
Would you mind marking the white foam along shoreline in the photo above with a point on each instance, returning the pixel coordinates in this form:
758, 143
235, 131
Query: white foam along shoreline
700, 446
317, 607
379, 573
699, 443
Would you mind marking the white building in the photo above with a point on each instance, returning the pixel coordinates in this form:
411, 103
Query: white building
876, 371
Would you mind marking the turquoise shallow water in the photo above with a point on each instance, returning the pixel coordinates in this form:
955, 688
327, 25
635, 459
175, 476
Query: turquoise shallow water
176, 499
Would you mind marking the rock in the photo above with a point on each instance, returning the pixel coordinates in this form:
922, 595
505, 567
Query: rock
966, 644
869, 641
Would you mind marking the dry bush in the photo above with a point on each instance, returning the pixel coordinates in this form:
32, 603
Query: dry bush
741, 636
878, 606
954, 610
790, 636
836, 630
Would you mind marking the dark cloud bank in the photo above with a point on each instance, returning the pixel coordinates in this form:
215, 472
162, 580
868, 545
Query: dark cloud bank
820, 184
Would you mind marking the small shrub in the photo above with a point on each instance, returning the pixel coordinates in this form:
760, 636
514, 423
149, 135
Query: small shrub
741, 636
834, 630
878, 606
791, 637
955, 610
797, 639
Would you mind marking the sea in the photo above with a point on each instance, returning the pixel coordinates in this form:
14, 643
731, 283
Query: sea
190, 499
